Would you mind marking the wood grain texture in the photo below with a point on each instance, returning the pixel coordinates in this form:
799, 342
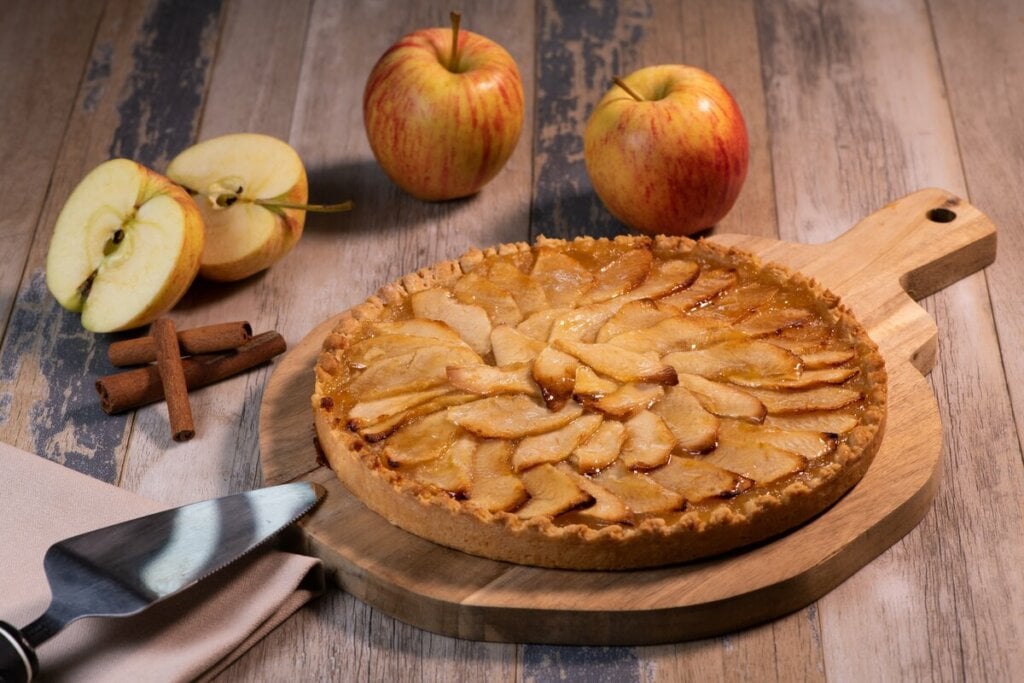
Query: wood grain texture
457, 594
857, 110
144, 86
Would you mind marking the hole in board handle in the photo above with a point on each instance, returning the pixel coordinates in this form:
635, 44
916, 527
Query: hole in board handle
941, 215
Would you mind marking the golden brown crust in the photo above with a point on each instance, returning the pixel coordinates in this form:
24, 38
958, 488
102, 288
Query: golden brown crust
694, 533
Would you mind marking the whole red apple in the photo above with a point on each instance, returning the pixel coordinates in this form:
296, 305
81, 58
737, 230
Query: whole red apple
443, 109
666, 150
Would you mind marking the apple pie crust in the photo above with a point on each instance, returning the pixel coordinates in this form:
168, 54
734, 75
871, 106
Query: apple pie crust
600, 404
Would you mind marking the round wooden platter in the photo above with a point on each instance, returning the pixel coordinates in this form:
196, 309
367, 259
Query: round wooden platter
915, 245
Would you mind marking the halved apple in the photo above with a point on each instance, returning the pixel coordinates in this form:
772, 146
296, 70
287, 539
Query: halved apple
252, 191
125, 247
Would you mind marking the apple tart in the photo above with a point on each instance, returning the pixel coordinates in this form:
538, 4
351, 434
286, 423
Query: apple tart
600, 404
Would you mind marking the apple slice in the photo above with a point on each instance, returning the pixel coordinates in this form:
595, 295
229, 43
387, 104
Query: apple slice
251, 190
421, 440
384, 346
470, 321
511, 346
538, 325
418, 370
828, 422
619, 363
552, 492
636, 315
487, 380
601, 449
417, 327
762, 463
763, 323
452, 470
638, 491
563, 278
607, 507
695, 429
699, 480
511, 416
809, 444
627, 399
500, 305
821, 398
125, 247
826, 359
649, 442
735, 360
493, 486
556, 445
666, 278
676, 334
806, 380
555, 372
367, 413
527, 292
724, 400
621, 275
708, 285
589, 386
382, 429
583, 323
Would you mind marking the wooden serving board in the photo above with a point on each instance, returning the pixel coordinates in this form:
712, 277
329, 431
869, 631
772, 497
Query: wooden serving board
916, 245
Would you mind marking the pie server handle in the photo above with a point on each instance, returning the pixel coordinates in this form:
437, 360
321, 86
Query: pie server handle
18, 661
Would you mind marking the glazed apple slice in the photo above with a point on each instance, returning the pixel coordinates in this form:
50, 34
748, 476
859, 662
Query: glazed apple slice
500, 305
641, 494
737, 360
416, 327
418, 370
740, 302
555, 372
366, 413
583, 323
695, 429
381, 347
636, 315
590, 387
828, 422
767, 322
470, 321
806, 380
666, 278
628, 399
809, 444
487, 380
826, 359
252, 191
708, 285
607, 508
563, 278
649, 442
526, 291
698, 480
761, 463
676, 334
821, 398
493, 486
511, 417
382, 429
511, 346
452, 470
624, 273
619, 363
421, 440
125, 248
601, 449
556, 445
538, 325
552, 492
724, 400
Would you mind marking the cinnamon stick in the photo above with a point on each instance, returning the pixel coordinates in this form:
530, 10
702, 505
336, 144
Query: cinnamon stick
172, 376
135, 388
198, 340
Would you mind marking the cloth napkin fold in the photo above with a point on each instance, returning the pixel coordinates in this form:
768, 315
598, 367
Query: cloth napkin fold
193, 635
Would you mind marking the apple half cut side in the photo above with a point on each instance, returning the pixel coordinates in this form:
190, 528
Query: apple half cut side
125, 248
251, 190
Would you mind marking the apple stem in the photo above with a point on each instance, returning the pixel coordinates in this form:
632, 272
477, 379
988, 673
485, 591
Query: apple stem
453, 59
316, 208
632, 93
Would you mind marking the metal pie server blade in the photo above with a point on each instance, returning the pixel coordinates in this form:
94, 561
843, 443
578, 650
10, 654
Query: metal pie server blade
122, 569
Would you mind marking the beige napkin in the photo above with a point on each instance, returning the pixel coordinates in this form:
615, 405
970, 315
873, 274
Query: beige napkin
193, 635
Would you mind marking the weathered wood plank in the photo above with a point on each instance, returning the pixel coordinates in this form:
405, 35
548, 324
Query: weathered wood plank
581, 47
140, 99
934, 604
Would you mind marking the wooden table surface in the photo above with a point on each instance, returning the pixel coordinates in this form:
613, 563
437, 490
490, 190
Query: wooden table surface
849, 105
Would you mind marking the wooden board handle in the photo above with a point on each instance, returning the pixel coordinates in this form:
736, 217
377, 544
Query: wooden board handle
925, 241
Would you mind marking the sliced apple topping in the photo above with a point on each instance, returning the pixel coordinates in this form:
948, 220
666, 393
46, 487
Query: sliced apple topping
636, 315
470, 321
527, 292
488, 380
384, 428
368, 412
452, 470
828, 422
552, 492
826, 359
649, 442
619, 363
807, 379
607, 508
538, 326
708, 285
556, 445
821, 398
639, 492
601, 449
736, 360
769, 321
762, 463
665, 278
724, 400
500, 305
555, 372
627, 399
699, 480
742, 301
417, 327
511, 346
807, 443
494, 487
676, 334
374, 349
590, 386
511, 416
695, 429
563, 278
419, 370
421, 440
621, 275
582, 324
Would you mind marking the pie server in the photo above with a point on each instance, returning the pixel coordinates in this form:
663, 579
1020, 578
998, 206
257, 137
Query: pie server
123, 569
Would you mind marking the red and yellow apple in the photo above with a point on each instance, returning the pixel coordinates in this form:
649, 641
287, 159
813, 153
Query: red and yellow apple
666, 150
443, 110
125, 247
251, 190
